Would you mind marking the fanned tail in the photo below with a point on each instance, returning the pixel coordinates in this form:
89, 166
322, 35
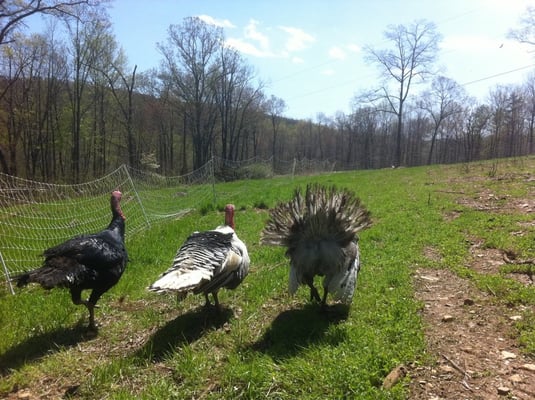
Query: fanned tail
323, 213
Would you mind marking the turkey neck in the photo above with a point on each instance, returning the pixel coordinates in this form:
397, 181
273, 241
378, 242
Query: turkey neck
117, 221
229, 215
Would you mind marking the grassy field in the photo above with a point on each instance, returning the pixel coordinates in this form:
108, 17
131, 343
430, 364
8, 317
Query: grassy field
266, 344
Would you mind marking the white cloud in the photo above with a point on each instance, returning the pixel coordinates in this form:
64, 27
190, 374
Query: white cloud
297, 39
354, 48
223, 23
328, 72
251, 32
254, 42
469, 43
337, 53
247, 48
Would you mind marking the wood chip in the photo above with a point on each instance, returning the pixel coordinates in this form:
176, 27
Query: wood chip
394, 376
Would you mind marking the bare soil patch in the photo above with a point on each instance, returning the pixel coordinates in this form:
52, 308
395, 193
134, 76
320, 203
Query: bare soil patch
471, 337
486, 200
492, 261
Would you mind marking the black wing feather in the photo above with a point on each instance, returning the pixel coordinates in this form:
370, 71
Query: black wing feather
102, 250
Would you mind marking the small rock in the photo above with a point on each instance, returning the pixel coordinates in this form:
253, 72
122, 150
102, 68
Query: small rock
516, 378
503, 390
447, 318
24, 395
507, 355
515, 318
528, 367
429, 278
469, 302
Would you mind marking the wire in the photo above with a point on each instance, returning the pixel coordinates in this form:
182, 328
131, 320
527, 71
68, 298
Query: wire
498, 74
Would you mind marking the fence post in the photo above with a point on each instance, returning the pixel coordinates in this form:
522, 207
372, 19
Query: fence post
6, 272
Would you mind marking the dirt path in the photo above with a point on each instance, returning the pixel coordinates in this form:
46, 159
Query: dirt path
470, 337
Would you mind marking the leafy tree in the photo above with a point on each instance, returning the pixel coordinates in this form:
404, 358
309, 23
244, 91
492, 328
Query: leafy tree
190, 64
89, 32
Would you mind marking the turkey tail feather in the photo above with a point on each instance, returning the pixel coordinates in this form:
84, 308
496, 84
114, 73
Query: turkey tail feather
180, 281
59, 272
322, 213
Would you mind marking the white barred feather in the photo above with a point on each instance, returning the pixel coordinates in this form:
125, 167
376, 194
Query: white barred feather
206, 262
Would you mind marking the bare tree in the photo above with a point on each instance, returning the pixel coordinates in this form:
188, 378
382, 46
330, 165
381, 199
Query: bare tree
443, 100
476, 124
235, 97
112, 66
414, 51
13, 13
530, 111
499, 104
362, 129
526, 32
514, 145
275, 107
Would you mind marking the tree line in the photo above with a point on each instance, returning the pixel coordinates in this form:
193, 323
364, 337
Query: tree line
72, 108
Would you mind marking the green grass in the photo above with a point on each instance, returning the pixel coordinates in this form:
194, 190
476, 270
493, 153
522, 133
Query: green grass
266, 344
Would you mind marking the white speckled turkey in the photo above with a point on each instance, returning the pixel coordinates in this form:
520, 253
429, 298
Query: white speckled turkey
319, 231
207, 262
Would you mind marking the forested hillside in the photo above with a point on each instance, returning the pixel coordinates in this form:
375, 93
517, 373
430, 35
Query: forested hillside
73, 108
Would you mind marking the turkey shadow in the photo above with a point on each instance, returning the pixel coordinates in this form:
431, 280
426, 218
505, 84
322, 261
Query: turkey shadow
293, 330
43, 344
186, 328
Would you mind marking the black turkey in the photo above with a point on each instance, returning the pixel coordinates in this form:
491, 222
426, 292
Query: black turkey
319, 231
207, 262
94, 262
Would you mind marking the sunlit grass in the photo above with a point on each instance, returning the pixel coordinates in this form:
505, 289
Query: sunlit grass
266, 344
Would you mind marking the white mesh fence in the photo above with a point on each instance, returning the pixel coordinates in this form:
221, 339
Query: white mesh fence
36, 215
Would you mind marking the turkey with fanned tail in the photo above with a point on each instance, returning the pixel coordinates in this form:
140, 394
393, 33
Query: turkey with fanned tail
206, 262
319, 231
95, 261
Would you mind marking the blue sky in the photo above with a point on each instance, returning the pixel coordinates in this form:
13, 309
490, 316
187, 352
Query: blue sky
309, 52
